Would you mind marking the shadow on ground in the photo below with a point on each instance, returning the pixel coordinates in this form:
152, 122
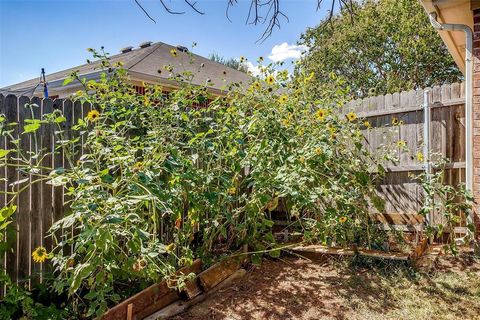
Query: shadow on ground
293, 288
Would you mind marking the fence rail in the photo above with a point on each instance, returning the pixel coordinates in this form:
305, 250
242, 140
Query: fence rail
41, 205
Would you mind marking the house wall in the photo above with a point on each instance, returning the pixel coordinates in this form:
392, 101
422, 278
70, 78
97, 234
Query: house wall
476, 111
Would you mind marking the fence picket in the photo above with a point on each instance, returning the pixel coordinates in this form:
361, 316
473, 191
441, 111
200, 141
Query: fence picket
23, 201
11, 114
46, 206
68, 113
35, 197
57, 163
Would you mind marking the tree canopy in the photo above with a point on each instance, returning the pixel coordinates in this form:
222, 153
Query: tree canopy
229, 62
389, 46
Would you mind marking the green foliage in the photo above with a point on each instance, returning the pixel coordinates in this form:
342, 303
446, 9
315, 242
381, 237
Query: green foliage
388, 46
449, 203
162, 181
20, 303
231, 63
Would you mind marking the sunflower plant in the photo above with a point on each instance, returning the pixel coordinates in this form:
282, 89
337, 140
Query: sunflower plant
160, 181
451, 204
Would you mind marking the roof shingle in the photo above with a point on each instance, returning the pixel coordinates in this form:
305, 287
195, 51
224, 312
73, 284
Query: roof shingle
149, 60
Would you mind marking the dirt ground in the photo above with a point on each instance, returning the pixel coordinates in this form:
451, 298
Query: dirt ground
293, 288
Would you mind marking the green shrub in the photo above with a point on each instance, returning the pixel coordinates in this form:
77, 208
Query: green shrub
162, 181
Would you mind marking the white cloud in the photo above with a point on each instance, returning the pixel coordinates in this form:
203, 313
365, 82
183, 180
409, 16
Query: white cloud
284, 51
255, 70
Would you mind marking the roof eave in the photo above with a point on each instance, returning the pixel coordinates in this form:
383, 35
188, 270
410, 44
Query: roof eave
57, 85
457, 12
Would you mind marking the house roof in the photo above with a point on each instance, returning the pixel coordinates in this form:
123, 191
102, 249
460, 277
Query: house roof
453, 11
147, 64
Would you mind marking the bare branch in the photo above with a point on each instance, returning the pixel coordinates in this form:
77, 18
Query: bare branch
168, 9
265, 12
145, 11
230, 4
272, 16
194, 7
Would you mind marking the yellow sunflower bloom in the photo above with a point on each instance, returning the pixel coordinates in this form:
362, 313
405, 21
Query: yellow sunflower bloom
93, 115
169, 248
286, 122
232, 190
242, 59
351, 116
367, 125
342, 219
332, 130
420, 156
309, 78
321, 114
318, 151
257, 85
137, 166
270, 80
146, 101
401, 143
174, 52
394, 121
283, 98
40, 254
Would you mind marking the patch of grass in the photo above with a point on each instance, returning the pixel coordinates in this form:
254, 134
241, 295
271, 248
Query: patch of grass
405, 293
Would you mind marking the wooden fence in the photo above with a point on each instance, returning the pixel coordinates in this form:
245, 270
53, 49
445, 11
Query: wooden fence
41, 205
400, 189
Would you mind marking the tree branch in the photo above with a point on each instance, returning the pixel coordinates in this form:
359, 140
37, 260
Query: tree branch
194, 7
266, 12
145, 11
168, 9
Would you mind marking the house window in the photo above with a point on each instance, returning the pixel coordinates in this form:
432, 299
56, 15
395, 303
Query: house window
139, 90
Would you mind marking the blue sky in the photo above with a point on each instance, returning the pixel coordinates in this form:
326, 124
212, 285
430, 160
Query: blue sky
54, 34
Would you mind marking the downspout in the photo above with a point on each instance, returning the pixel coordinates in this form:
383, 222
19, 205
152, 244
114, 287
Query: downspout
468, 99
426, 147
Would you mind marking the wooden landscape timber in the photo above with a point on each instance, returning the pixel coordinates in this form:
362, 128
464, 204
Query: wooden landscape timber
320, 252
150, 299
219, 272
218, 276
181, 306
161, 295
